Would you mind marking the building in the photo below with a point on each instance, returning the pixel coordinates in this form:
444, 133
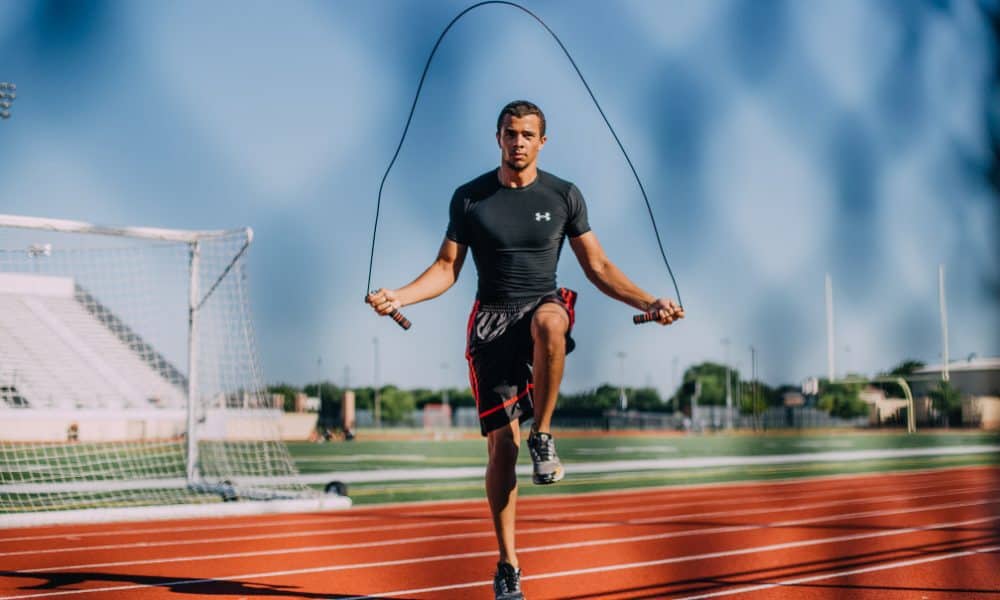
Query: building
977, 379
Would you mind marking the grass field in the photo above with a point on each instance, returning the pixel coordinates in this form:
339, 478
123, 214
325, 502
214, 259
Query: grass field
368, 454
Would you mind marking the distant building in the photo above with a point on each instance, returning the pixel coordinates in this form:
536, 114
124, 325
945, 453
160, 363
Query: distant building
977, 379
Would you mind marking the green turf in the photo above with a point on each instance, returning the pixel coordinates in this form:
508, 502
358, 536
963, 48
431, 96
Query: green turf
361, 454
372, 454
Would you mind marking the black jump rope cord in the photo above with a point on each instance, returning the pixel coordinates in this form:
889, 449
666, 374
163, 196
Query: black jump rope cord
413, 107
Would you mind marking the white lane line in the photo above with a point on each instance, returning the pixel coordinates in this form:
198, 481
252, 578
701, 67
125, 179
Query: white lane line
882, 567
907, 477
915, 475
393, 527
71, 534
492, 553
488, 534
767, 496
664, 561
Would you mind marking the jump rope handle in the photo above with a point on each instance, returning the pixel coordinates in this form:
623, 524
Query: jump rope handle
645, 317
395, 315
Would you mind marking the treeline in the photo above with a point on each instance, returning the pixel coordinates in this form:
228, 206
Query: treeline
705, 381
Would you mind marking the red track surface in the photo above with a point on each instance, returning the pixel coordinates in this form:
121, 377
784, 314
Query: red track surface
929, 534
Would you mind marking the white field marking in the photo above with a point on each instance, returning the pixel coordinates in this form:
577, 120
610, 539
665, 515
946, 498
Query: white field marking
492, 553
664, 561
908, 475
589, 513
550, 529
658, 519
363, 457
626, 450
616, 466
883, 567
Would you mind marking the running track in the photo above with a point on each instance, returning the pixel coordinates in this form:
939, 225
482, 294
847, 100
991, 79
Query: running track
927, 534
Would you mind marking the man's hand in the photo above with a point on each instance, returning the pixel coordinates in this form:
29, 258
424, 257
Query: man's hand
669, 311
383, 301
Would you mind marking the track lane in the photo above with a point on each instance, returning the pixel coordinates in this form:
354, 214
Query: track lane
475, 566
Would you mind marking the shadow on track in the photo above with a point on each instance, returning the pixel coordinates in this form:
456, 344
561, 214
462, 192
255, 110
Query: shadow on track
198, 587
696, 585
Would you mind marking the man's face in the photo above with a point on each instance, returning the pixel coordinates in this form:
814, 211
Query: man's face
520, 139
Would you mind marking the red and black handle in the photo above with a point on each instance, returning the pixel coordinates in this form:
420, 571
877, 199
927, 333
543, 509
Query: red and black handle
395, 315
646, 317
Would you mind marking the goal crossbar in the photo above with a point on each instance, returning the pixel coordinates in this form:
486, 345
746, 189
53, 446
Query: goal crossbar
147, 233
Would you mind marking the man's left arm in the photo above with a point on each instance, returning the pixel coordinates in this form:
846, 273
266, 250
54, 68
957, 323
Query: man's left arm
609, 279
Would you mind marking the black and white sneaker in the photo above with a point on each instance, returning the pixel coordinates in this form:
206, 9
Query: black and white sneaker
507, 582
547, 468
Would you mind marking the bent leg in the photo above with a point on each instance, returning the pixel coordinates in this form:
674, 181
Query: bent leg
549, 326
501, 486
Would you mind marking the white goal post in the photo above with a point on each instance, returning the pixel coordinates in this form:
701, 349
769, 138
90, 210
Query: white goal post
129, 377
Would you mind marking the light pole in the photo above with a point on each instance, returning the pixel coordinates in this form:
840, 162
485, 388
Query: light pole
753, 389
673, 382
729, 387
378, 399
943, 307
319, 378
444, 386
622, 398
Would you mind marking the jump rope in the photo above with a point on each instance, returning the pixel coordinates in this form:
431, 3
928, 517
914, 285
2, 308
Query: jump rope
396, 315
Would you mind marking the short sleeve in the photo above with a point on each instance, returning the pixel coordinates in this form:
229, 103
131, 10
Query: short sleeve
457, 228
577, 223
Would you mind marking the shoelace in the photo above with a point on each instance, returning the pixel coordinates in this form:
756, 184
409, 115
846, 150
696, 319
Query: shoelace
545, 448
509, 581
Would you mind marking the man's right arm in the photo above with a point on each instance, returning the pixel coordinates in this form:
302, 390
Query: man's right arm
441, 275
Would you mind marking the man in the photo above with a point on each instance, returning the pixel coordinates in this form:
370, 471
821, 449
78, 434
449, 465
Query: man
515, 219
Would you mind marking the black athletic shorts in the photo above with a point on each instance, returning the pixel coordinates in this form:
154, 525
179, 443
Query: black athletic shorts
500, 350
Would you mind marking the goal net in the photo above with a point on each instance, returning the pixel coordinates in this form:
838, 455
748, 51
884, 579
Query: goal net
128, 371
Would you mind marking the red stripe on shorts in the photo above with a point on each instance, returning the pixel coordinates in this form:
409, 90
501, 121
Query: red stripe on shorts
507, 403
473, 381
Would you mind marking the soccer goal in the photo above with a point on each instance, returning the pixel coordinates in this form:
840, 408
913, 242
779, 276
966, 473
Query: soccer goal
129, 378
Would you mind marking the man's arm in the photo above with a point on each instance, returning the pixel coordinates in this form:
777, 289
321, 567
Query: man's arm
433, 282
609, 279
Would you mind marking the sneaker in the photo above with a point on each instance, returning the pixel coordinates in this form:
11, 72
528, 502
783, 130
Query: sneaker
507, 582
547, 469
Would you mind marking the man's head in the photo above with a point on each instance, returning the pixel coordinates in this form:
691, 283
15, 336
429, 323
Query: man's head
520, 134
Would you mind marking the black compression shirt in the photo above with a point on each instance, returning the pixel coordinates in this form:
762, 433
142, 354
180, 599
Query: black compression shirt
516, 234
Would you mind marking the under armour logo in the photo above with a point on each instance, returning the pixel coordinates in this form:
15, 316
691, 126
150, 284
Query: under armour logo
543, 216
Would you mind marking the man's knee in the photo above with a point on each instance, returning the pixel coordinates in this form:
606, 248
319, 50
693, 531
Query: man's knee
503, 446
550, 326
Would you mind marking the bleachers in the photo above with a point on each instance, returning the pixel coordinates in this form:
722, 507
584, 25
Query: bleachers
58, 354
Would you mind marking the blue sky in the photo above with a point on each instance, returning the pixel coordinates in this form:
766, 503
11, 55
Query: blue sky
778, 141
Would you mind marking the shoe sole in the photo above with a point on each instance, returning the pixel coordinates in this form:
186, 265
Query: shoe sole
549, 479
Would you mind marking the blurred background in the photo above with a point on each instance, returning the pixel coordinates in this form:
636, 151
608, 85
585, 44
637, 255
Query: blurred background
779, 141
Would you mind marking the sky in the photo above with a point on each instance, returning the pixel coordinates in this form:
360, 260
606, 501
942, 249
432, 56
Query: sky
778, 141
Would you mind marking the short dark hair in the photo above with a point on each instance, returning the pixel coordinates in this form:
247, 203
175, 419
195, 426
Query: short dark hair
520, 109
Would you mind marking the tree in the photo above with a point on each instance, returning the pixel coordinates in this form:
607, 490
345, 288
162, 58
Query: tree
906, 368
288, 391
713, 385
842, 399
397, 405
948, 401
